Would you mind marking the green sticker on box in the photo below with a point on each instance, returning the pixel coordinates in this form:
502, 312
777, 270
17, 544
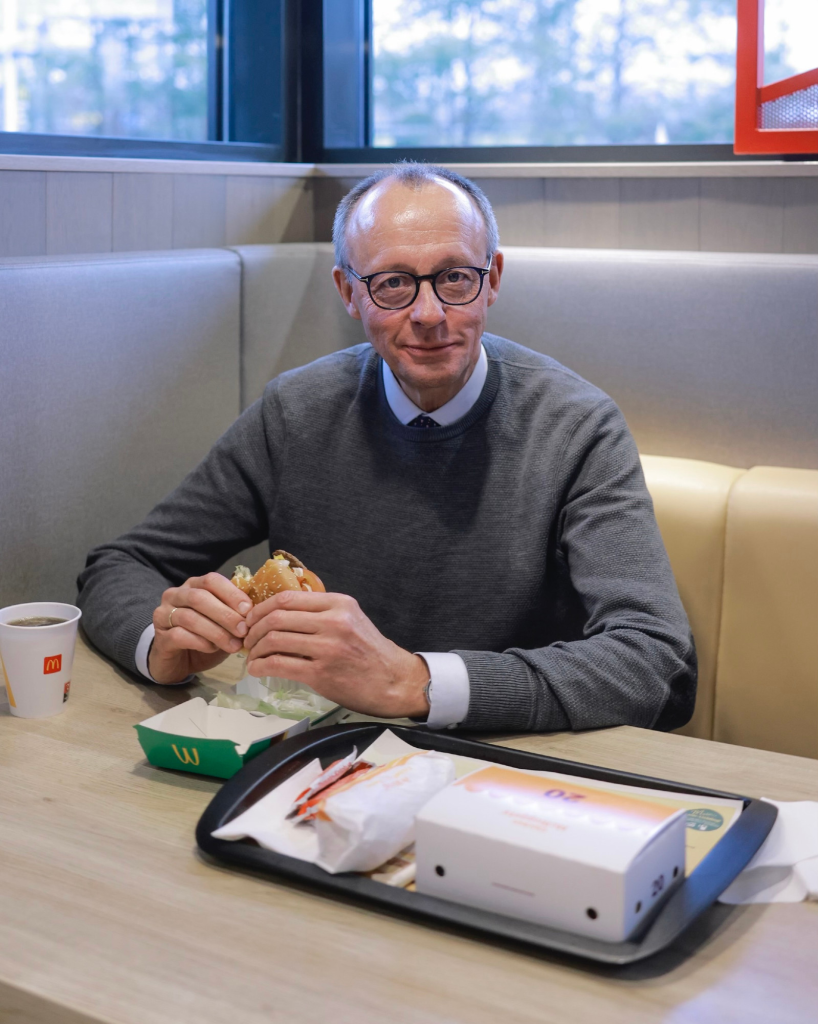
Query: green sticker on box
704, 819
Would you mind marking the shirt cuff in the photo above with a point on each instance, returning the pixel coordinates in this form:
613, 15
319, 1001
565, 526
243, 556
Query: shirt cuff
449, 692
142, 651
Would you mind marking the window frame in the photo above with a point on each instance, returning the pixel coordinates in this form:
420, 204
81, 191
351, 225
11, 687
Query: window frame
590, 155
302, 70
601, 154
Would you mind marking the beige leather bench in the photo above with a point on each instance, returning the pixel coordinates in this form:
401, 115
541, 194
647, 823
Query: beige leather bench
767, 671
744, 550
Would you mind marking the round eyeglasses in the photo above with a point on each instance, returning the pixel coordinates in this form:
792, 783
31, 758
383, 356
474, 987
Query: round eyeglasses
397, 289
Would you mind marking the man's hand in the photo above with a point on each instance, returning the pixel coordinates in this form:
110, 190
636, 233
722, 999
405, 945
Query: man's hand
207, 624
326, 641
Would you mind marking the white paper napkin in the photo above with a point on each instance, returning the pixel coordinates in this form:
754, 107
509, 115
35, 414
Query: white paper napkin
265, 821
785, 869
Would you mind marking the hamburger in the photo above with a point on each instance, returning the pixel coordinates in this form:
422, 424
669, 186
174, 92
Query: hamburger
281, 572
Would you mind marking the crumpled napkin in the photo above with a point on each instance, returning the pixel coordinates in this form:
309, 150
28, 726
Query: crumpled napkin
785, 869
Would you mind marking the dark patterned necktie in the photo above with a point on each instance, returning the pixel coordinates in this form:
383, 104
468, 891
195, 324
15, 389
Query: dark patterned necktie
422, 421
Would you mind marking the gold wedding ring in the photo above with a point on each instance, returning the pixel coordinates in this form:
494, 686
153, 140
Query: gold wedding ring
170, 618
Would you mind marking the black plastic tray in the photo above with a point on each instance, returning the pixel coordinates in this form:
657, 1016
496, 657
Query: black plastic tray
690, 899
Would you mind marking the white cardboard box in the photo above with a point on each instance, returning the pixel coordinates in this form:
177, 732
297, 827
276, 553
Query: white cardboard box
583, 860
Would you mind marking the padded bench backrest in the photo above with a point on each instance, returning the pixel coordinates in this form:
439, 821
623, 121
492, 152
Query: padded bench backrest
690, 499
292, 313
711, 356
767, 677
119, 373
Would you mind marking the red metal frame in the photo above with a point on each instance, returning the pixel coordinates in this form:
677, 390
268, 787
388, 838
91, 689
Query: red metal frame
751, 91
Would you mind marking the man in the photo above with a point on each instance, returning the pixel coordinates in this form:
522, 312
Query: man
477, 511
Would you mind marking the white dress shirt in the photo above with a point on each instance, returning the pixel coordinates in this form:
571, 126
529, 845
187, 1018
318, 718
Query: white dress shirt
449, 692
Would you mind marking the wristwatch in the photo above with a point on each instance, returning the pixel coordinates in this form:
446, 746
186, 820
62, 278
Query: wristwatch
427, 693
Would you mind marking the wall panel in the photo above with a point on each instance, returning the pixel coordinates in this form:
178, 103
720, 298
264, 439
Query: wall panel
659, 213
582, 212
295, 221
79, 212
742, 215
268, 210
801, 215
22, 213
143, 212
519, 206
199, 202
161, 205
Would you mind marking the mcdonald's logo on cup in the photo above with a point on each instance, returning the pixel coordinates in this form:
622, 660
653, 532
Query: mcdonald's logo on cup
186, 759
52, 664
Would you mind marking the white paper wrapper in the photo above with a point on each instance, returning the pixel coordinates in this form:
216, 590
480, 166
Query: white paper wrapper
266, 820
374, 819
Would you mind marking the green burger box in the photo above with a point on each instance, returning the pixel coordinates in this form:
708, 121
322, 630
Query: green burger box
198, 737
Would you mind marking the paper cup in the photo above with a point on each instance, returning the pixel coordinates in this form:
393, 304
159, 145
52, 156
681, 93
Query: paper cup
36, 661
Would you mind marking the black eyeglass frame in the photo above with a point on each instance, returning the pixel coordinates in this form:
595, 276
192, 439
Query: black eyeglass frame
419, 278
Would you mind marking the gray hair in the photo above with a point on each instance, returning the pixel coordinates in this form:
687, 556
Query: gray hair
415, 175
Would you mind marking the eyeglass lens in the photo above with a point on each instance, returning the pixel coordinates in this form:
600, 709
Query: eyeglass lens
455, 286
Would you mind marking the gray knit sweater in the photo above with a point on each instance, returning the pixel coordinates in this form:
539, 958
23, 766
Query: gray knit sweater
521, 537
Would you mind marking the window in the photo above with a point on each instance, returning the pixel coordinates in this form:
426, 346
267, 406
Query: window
540, 72
187, 72
566, 72
126, 68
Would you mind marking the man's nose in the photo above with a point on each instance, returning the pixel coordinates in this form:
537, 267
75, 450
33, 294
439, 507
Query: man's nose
427, 308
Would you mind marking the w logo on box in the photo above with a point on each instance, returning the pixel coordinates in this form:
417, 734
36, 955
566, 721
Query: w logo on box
53, 664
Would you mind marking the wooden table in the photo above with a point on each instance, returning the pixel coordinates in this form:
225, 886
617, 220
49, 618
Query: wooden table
107, 912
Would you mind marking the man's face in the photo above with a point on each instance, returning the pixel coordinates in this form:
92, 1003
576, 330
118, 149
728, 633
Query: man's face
431, 347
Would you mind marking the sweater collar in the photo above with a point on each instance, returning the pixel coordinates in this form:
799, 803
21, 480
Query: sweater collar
456, 408
418, 434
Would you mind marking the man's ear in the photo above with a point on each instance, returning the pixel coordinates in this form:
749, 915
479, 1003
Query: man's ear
344, 288
495, 273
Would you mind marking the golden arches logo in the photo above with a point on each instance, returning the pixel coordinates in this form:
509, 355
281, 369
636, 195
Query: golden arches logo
52, 664
185, 757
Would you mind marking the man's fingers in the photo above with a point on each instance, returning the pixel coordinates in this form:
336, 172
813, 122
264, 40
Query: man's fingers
224, 590
298, 669
294, 600
285, 621
302, 645
194, 623
209, 605
185, 640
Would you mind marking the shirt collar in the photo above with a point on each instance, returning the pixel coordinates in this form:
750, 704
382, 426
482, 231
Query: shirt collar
455, 409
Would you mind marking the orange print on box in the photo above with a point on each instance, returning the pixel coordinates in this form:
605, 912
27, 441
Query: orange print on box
52, 664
